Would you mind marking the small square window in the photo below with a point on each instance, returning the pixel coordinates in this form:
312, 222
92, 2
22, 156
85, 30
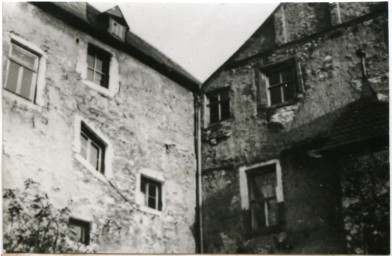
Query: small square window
282, 85
79, 231
92, 148
152, 193
22, 72
281, 82
219, 104
98, 62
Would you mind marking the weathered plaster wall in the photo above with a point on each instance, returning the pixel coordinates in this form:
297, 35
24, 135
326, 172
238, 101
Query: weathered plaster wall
148, 122
365, 201
330, 73
331, 78
293, 21
311, 215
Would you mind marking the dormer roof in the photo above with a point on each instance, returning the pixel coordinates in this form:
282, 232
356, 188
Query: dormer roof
117, 14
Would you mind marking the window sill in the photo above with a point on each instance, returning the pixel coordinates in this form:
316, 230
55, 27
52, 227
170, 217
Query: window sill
264, 232
150, 210
218, 125
88, 166
100, 89
287, 103
281, 105
22, 103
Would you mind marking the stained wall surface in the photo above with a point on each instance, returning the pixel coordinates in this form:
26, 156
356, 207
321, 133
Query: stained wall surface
147, 121
330, 76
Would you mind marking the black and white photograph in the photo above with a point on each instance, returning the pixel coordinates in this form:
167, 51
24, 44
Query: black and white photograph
195, 127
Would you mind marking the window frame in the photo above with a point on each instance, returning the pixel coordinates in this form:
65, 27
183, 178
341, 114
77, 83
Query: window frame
217, 93
257, 170
149, 182
267, 70
93, 138
140, 198
117, 29
21, 67
85, 228
99, 53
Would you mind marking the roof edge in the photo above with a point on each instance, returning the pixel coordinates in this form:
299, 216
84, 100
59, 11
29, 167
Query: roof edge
187, 81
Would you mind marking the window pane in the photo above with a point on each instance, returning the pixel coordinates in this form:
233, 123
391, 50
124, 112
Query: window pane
76, 233
225, 109
99, 65
287, 74
94, 156
214, 113
263, 186
12, 79
289, 91
274, 78
272, 209
98, 78
90, 61
152, 190
275, 95
213, 98
83, 146
27, 80
224, 94
151, 202
90, 75
23, 56
258, 219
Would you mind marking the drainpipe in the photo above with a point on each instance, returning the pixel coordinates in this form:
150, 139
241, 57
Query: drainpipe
198, 105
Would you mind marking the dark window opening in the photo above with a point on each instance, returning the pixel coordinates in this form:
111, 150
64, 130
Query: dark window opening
152, 191
92, 148
79, 231
282, 85
219, 104
98, 66
263, 204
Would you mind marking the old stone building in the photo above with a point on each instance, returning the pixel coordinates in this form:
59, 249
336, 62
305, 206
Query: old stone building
104, 122
295, 138
284, 149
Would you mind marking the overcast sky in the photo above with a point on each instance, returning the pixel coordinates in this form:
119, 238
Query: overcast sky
198, 36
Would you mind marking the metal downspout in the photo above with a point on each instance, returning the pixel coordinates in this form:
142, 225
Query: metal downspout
198, 104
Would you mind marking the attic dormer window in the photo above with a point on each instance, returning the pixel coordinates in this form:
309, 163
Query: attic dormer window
117, 29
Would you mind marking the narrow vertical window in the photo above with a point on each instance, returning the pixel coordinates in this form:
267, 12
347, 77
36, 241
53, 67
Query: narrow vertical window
92, 148
98, 66
22, 72
152, 191
265, 197
219, 104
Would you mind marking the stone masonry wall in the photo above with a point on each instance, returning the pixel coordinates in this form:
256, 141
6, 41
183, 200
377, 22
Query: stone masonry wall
365, 201
148, 123
330, 76
293, 21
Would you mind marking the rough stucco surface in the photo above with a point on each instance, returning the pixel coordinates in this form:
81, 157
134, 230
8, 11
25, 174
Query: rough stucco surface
293, 21
149, 115
365, 202
330, 76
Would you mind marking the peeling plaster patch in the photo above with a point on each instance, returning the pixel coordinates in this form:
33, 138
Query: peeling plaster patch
284, 115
